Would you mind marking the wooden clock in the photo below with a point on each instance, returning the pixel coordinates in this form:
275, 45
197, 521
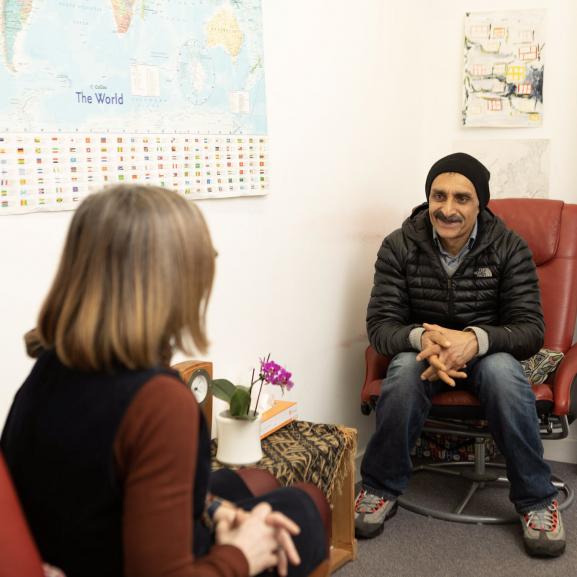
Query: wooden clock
198, 375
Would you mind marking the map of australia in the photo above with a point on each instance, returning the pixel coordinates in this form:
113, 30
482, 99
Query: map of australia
135, 66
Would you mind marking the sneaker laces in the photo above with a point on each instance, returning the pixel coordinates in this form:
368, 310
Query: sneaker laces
544, 519
368, 503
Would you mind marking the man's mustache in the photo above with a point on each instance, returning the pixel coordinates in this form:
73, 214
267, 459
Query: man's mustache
438, 214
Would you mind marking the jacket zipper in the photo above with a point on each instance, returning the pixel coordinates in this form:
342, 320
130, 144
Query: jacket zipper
450, 287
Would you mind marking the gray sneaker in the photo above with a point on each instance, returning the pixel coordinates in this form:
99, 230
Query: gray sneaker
371, 512
543, 532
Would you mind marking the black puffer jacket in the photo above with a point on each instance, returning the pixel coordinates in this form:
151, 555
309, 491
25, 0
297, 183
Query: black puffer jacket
495, 288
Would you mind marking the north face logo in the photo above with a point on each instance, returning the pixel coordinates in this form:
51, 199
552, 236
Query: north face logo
483, 272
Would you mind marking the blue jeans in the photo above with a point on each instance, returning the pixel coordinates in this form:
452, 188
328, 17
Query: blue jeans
505, 395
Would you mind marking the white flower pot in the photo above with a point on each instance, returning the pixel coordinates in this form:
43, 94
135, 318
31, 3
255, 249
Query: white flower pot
238, 440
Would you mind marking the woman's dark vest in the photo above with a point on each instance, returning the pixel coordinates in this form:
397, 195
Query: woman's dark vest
58, 445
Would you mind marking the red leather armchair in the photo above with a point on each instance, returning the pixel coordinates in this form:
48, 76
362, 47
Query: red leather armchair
550, 229
18, 552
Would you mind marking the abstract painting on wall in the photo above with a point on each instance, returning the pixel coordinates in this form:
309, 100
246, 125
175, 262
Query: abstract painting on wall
519, 168
503, 74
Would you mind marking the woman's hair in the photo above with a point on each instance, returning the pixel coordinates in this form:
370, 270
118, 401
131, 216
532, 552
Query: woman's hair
133, 282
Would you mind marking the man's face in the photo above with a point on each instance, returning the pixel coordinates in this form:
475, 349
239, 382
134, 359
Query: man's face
453, 209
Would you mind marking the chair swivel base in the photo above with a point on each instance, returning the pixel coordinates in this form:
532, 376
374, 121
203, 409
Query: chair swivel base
479, 478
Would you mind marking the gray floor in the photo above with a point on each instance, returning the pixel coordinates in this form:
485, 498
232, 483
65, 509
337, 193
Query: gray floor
416, 546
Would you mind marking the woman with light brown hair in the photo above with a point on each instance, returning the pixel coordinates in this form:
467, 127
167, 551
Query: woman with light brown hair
107, 447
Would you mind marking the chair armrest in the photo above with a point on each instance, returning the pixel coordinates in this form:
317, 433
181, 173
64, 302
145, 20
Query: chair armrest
375, 365
565, 378
375, 370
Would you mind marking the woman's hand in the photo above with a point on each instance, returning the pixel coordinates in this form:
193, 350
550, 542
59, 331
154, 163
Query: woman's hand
226, 512
287, 552
253, 537
263, 535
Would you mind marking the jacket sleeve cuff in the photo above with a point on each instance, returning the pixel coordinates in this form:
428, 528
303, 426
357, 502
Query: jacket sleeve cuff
415, 338
482, 340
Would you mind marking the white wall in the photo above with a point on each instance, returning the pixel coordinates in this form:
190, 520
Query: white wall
352, 133
443, 39
294, 268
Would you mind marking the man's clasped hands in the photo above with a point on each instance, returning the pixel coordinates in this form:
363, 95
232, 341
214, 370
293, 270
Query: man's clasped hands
447, 351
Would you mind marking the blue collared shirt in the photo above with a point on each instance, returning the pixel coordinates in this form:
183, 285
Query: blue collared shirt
451, 262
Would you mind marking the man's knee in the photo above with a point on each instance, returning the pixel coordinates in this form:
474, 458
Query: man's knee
405, 365
499, 362
501, 375
499, 367
403, 378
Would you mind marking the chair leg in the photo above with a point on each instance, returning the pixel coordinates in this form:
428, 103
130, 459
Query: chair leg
472, 490
480, 474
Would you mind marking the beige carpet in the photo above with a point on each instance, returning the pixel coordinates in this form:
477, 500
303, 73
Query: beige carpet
416, 546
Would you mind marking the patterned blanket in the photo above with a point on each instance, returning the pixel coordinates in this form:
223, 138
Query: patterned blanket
303, 451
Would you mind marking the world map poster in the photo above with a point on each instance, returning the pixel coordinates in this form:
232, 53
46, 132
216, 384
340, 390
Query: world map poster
100, 92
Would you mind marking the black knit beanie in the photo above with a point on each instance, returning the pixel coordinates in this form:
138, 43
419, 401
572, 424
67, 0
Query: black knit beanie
466, 165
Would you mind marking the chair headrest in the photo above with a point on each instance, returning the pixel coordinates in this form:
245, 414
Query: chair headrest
536, 220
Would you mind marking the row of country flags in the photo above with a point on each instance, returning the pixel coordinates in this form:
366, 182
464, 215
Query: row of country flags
57, 171
160, 138
21, 154
216, 148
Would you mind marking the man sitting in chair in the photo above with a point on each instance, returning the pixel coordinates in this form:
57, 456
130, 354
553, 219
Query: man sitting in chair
456, 297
